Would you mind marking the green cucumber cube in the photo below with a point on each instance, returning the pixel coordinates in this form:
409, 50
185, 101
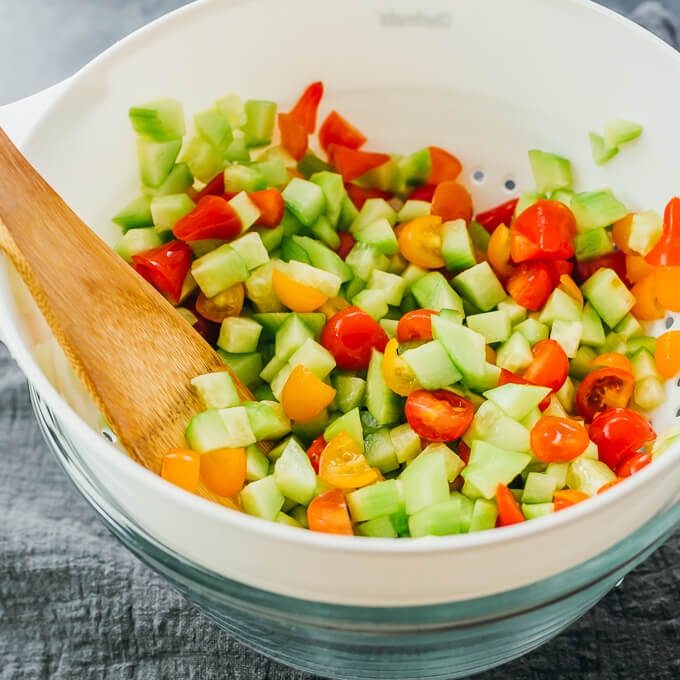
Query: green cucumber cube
531, 419
380, 451
491, 425
484, 515
292, 250
372, 210
322, 230
257, 464
639, 342
231, 107
350, 422
324, 258
383, 404
568, 335
348, 215
514, 354
527, 199
262, 498
392, 286
251, 249
272, 368
539, 488
560, 306
490, 466
294, 474
390, 327
238, 177
452, 516
329, 284
377, 500
600, 151
562, 195
136, 214
608, 295
137, 241
466, 348
216, 390
514, 310
314, 357
203, 159
156, 159
271, 238
580, 365
305, 200
454, 464
299, 514
214, 128
406, 442
218, 270
267, 419
644, 365
237, 151
247, 367
413, 273
614, 343
283, 518
457, 249
533, 330
380, 235
425, 482
386, 177
593, 332
363, 259
310, 164
415, 168
259, 125
432, 291
273, 171
350, 392
517, 401
161, 120
167, 210
381, 527
629, 327
206, 431
412, 209
432, 365
619, 131
567, 395
372, 301
334, 192
588, 475
558, 472
536, 510
649, 393
596, 209
550, 171
238, 428
290, 336
494, 326
487, 381
481, 286
592, 243
178, 181
311, 429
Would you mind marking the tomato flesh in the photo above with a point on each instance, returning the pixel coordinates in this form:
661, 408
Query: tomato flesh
343, 465
452, 201
550, 365
420, 241
501, 214
616, 261
165, 267
294, 137
213, 217
438, 415
351, 163
359, 195
336, 130
618, 432
603, 389
666, 253
567, 497
509, 511
315, 450
306, 107
509, 377
558, 440
328, 514
543, 232
633, 463
530, 285
415, 325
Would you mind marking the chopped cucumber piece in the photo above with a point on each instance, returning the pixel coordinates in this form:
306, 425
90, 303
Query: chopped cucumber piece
238, 428
380, 451
260, 290
516, 313
560, 306
294, 474
350, 392
466, 348
267, 419
392, 286
137, 241
514, 354
588, 475
167, 210
206, 431
218, 270
273, 171
271, 238
178, 181
640, 342
380, 235
214, 128
290, 336
539, 488
479, 236
593, 243
371, 211
558, 471
239, 335
432, 291
608, 295
562, 195
533, 330
644, 365
645, 231
237, 151
412, 209
262, 498
454, 464
593, 332
536, 510
491, 425
566, 395
527, 199
629, 327
372, 301
334, 192
517, 401
425, 482
231, 107
251, 249
292, 250
431, 365
322, 230
259, 125
247, 367
216, 390
314, 358
614, 343
600, 151
567, 334
481, 286
203, 159
156, 159
238, 177
383, 404
596, 209
310, 164
484, 515
550, 171
257, 464
363, 259
580, 365
619, 131
348, 215
136, 214
411, 274
452, 516
377, 500
416, 168
350, 422
381, 527
305, 200
161, 120
457, 248
406, 442
494, 326
649, 393
490, 466
299, 514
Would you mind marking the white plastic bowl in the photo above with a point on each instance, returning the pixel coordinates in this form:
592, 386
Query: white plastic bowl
487, 80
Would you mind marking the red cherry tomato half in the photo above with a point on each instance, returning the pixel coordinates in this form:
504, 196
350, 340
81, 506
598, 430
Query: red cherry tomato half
633, 463
501, 214
214, 187
294, 137
415, 325
165, 267
616, 261
336, 130
509, 377
666, 253
306, 107
351, 163
543, 232
558, 440
452, 201
604, 389
213, 217
619, 432
350, 336
422, 193
315, 450
445, 166
358, 195
558, 268
438, 415
550, 365
347, 242
530, 285
270, 204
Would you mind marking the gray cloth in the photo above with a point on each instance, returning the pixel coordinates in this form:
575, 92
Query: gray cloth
75, 604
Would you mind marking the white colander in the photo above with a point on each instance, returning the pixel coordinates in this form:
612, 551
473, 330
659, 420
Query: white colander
486, 79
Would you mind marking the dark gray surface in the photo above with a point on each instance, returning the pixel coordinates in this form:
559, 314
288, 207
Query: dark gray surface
75, 604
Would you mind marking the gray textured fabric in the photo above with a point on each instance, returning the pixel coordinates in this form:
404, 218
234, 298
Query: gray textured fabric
75, 604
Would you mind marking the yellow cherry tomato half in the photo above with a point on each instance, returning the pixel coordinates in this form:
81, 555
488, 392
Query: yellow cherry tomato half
420, 241
227, 303
181, 467
343, 465
295, 295
224, 470
304, 396
396, 372
498, 252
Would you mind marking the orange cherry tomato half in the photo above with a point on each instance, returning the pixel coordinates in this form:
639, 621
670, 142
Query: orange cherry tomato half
647, 307
351, 163
438, 415
224, 470
633, 463
295, 295
415, 325
294, 137
445, 166
314, 452
619, 432
498, 252
343, 465
501, 214
420, 241
621, 233
637, 268
666, 252
609, 485
558, 440
509, 511
304, 396
530, 285
613, 360
603, 389
328, 514
667, 354
336, 130
396, 372
306, 107
565, 498
668, 287
181, 467
452, 201
550, 365
270, 204
227, 303
543, 232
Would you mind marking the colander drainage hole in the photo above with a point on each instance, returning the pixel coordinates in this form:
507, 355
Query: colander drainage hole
510, 185
669, 321
107, 434
478, 176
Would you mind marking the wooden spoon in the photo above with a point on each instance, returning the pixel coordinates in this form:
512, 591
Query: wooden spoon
131, 349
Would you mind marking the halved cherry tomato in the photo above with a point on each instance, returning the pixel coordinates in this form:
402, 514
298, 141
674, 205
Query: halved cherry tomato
498, 252
304, 395
621, 233
224, 470
351, 163
165, 267
616, 261
420, 241
667, 354
543, 232
452, 201
336, 130
668, 287
568, 285
619, 432
464, 452
213, 217
270, 204
509, 511
425, 192
214, 187
350, 336
328, 514
604, 389
550, 365
637, 269
294, 137
501, 214
530, 285
415, 325
314, 452
359, 195
396, 372
559, 268
343, 465
347, 242
565, 498
558, 440
609, 485
647, 307
666, 252
509, 377
295, 295
445, 166
181, 467
612, 360
438, 415
306, 107
633, 463
227, 303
